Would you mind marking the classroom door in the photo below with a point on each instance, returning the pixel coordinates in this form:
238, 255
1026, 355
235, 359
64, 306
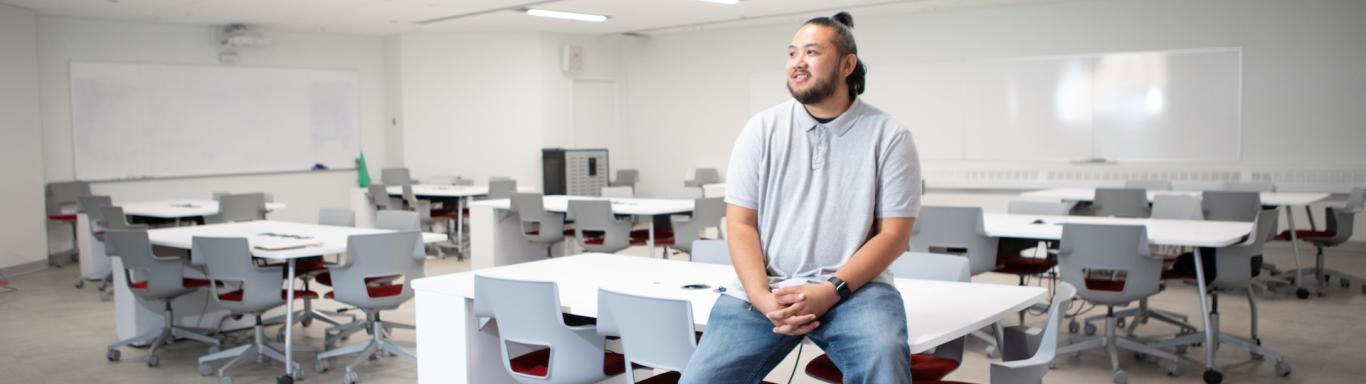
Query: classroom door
596, 117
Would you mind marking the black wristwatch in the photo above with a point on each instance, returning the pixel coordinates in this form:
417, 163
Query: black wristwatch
841, 287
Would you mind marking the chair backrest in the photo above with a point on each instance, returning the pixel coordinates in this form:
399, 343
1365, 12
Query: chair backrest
528, 312
1121, 202
626, 178
64, 193
1356, 200
1177, 207
239, 207
1231, 205
537, 224
91, 206
1033, 369
396, 220
707, 213
710, 251
703, 176
955, 230
163, 276
1109, 264
1151, 185
375, 255
379, 196
227, 261
594, 219
502, 188
1234, 263
931, 266
655, 332
115, 219
530, 207
624, 191
395, 176
1038, 207
1250, 186
340, 217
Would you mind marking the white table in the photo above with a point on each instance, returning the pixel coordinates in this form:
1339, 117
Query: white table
487, 227
714, 190
1286, 200
454, 193
1190, 233
329, 239
180, 209
456, 347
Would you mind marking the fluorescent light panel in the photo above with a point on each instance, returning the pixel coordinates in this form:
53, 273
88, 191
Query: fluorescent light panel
566, 15
726, 2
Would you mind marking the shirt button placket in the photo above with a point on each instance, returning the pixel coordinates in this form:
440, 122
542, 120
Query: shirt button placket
819, 145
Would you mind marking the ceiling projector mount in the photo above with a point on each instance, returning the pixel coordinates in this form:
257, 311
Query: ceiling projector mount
238, 36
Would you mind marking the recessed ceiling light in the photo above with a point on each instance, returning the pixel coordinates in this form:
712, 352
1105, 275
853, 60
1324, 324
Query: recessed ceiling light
726, 2
566, 15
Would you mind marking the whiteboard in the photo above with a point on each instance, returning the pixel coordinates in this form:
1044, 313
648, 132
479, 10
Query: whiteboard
152, 120
1132, 107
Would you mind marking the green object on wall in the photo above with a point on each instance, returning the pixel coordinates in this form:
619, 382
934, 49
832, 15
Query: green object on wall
362, 172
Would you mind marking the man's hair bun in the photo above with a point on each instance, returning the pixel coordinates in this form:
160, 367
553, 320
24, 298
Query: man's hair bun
844, 18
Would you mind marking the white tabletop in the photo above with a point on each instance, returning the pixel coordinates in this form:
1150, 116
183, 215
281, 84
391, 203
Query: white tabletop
620, 206
1192, 233
936, 311
1268, 198
437, 190
326, 239
170, 209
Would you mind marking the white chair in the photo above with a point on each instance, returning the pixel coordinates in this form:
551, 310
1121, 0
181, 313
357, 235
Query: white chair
711, 252
1110, 266
385, 254
596, 229
625, 178
162, 280
528, 315
538, 225
1121, 202
1031, 370
702, 177
655, 332
340, 217
1338, 229
234, 208
958, 231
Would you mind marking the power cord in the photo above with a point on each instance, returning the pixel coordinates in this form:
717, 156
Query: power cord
796, 363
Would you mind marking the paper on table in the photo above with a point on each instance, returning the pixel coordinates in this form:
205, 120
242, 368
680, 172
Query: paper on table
275, 244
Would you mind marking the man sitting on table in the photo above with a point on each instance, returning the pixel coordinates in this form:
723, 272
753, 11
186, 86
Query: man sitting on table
822, 193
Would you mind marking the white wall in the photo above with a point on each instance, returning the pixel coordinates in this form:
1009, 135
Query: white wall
485, 104
63, 40
1303, 81
22, 240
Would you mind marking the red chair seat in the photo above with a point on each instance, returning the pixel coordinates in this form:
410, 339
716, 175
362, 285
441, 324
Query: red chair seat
186, 282
71, 217
537, 363
326, 279
1025, 265
378, 291
670, 377
924, 368
1105, 285
1305, 234
298, 294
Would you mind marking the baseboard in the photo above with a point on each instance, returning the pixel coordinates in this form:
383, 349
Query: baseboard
30, 267
1358, 246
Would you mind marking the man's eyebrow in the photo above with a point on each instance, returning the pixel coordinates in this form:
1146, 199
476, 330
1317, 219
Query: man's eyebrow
808, 45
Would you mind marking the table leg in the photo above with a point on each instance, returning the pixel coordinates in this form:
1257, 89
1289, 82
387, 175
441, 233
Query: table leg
1310, 214
651, 241
460, 226
1211, 339
1295, 248
289, 324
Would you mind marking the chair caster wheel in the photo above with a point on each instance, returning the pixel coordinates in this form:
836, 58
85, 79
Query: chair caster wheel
1256, 356
113, 355
1119, 323
153, 361
1344, 283
1140, 356
205, 370
1073, 327
320, 366
1302, 293
1121, 377
225, 380
1173, 369
1090, 330
280, 338
284, 379
1213, 377
307, 321
351, 378
1282, 368
80, 284
1181, 350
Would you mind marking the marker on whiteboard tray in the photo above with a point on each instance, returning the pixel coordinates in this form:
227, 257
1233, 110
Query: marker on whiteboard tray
1094, 160
319, 167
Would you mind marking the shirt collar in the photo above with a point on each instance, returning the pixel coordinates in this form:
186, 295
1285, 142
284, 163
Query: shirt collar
839, 125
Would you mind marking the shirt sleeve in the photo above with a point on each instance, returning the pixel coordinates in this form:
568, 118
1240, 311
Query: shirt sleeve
899, 184
746, 162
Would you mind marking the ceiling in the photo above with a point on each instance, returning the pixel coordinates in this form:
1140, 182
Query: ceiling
387, 17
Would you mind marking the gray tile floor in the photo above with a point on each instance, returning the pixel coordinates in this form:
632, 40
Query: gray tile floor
53, 333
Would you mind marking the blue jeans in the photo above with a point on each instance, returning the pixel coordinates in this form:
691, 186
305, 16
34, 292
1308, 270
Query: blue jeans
864, 335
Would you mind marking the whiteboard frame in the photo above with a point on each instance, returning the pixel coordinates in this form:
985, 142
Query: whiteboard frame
71, 119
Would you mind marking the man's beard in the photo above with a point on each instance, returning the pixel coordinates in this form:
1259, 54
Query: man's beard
818, 92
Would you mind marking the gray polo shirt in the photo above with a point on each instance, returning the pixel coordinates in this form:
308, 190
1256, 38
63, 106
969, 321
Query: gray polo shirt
818, 188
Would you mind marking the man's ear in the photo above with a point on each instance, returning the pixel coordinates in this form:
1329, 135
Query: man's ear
847, 65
